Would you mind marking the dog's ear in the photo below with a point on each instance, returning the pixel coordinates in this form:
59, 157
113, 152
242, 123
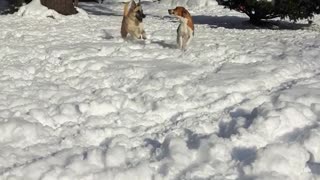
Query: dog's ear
184, 12
133, 4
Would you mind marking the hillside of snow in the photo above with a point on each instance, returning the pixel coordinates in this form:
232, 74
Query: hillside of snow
78, 102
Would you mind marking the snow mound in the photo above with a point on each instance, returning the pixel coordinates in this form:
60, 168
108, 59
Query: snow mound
21, 133
312, 144
281, 161
37, 10
280, 122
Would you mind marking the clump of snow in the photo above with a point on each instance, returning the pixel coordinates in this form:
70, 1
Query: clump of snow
95, 157
115, 157
96, 108
177, 151
20, 133
312, 144
280, 161
278, 121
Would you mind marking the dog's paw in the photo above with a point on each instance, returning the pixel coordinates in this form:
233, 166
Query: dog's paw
147, 41
143, 37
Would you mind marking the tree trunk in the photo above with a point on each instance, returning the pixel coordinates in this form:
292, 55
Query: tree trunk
76, 2
65, 7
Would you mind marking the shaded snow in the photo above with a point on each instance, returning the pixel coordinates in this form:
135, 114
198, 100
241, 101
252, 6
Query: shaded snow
189, 3
78, 102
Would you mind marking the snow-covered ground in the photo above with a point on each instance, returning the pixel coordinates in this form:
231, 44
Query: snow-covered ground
78, 102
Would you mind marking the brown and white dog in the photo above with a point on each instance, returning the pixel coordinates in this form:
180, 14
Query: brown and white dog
186, 28
132, 21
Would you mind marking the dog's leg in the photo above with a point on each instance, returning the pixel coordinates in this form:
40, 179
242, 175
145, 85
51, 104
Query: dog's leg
181, 37
187, 38
143, 35
139, 34
136, 34
143, 32
180, 41
124, 33
185, 41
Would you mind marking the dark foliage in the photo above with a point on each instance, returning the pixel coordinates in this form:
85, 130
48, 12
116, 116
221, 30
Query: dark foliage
65, 7
264, 9
11, 6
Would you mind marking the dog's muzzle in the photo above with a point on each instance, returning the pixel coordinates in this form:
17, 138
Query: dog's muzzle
170, 11
140, 15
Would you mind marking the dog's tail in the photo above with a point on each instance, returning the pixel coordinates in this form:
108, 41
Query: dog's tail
126, 8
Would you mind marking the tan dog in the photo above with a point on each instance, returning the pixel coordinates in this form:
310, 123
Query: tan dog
132, 21
186, 28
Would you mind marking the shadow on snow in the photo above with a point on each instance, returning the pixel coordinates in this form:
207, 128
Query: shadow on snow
235, 22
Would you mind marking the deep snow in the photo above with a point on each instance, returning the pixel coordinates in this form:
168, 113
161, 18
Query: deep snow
78, 102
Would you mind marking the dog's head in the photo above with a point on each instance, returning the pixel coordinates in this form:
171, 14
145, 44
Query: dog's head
179, 11
137, 10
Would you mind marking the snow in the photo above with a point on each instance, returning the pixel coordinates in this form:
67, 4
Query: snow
281, 161
79, 102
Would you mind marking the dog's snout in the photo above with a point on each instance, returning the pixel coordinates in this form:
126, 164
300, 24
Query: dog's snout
143, 15
170, 11
140, 15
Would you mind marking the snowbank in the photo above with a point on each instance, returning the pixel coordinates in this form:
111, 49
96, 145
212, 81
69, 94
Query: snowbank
37, 10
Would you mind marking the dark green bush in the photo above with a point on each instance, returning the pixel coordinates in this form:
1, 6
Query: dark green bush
264, 9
